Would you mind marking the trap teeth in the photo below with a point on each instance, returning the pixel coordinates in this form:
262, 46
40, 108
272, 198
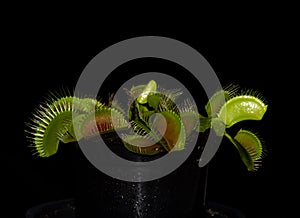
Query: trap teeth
52, 122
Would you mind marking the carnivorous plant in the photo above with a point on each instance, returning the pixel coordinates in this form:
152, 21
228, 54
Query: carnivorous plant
153, 122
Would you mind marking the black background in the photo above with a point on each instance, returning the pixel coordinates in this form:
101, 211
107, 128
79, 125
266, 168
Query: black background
44, 55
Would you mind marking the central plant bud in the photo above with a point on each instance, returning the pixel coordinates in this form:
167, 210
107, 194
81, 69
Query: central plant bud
155, 120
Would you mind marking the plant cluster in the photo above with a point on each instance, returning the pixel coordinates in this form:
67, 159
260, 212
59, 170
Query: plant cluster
153, 124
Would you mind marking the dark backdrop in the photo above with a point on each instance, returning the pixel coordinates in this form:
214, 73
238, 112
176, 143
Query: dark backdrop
51, 56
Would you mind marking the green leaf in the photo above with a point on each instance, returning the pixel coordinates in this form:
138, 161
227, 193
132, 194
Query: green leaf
150, 87
170, 129
251, 143
243, 107
154, 100
190, 121
52, 123
249, 147
103, 121
245, 156
218, 126
216, 102
50, 142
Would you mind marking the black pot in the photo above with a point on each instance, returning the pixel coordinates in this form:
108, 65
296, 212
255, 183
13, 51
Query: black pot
179, 194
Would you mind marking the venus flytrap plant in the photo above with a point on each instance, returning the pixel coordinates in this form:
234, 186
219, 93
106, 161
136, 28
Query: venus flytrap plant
153, 119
